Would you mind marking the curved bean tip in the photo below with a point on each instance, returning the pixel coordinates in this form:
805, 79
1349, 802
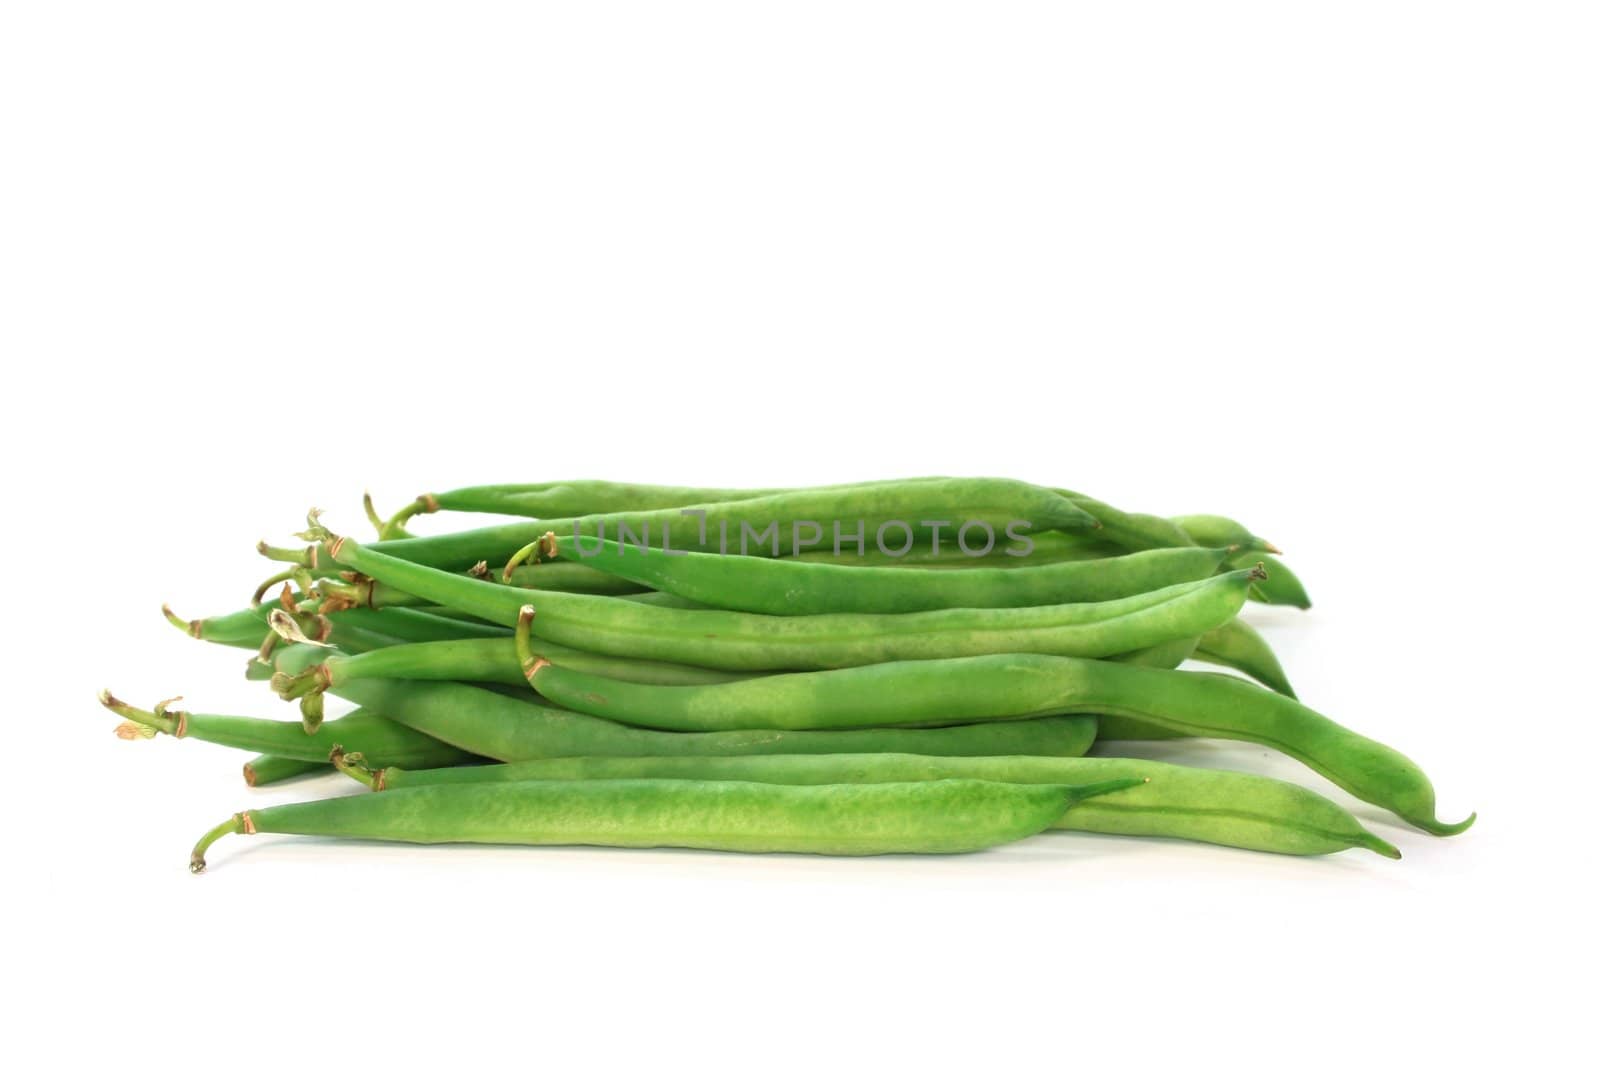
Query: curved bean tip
197, 864
1269, 547
1448, 829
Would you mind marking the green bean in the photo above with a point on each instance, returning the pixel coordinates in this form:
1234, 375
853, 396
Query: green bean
772, 587
1219, 807
249, 628
920, 505
733, 641
1130, 530
1051, 546
575, 499
377, 737
269, 770
1218, 531
1239, 645
942, 816
507, 728
560, 578
483, 660
936, 692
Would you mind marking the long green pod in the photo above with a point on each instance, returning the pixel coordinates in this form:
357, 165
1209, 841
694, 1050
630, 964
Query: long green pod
1051, 546
559, 578
376, 737
1130, 529
493, 660
506, 728
944, 816
933, 692
780, 524
267, 770
1219, 531
249, 628
580, 497
1219, 807
1239, 645
741, 642
773, 587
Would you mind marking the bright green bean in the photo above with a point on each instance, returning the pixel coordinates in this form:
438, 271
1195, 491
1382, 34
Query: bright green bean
919, 505
507, 728
942, 816
378, 738
771, 587
484, 660
1220, 807
739, 642
934, 692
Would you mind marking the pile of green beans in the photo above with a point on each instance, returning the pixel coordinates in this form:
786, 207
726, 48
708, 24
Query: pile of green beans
670, 666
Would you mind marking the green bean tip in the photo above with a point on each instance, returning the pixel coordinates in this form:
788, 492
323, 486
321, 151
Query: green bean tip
1447, 829
1380, 846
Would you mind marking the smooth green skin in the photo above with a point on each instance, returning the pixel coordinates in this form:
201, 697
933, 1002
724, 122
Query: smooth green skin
1168, 656
997, 501
506, 728
577, 498
1012, 686
741, 642
269, 770
944, 816
773, 587
1219, 531
1132, 530
496, 660
1281, 586
1218, 807
559, 578
378, 738
1239, 645
1050, 546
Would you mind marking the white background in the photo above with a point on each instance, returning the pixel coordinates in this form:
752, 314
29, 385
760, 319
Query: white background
1329, 269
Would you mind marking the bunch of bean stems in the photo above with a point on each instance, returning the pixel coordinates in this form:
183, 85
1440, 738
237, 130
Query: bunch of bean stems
567, 681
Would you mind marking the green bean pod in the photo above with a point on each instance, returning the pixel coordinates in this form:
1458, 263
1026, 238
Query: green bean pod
935, 692
379, 739
1219, 531
1050, 546
1132, 530
773, 587
1219, 807
579, 497
506, 728
249, 628
1239, 645
944, 816
740, 642
921, 506
494, 660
